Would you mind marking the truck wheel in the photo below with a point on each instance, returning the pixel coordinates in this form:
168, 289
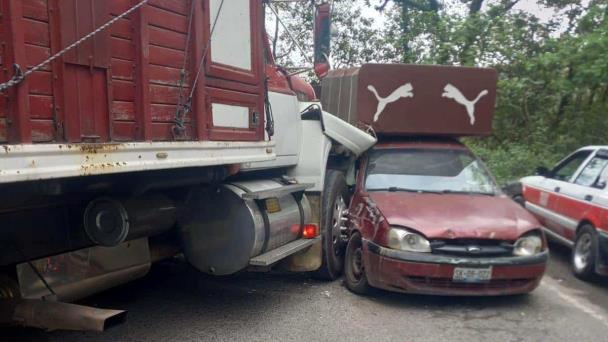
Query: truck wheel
354, 272
584, 253
334, 208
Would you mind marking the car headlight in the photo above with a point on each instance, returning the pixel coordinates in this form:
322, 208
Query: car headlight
528, 245
406, 240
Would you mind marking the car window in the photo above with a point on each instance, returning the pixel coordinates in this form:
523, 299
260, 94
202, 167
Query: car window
566, 169
433, 170
591, 172
602, 181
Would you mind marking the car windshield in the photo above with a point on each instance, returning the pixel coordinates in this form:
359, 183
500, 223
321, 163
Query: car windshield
435, 170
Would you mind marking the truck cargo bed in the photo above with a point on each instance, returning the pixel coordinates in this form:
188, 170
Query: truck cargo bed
120, 90
124, 83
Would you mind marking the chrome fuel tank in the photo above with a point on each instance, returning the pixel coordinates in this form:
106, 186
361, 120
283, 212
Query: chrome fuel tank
221, 230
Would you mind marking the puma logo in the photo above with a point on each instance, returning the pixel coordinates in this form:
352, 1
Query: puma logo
403, 91
452, 92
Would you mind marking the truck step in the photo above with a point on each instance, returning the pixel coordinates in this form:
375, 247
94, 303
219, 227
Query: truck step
278, 192
275, 255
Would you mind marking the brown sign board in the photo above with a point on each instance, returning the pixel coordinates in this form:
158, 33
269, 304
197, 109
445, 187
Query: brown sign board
401, 99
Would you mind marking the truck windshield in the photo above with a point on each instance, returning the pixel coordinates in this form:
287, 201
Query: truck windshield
428, 170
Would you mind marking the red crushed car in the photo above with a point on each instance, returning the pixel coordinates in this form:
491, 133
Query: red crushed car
427, 217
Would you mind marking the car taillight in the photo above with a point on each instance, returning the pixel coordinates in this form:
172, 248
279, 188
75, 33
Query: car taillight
310, 231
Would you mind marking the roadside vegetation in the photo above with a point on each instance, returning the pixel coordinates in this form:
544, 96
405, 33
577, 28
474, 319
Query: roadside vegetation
551, 55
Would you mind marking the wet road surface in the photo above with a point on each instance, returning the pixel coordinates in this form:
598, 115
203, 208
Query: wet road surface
176, 303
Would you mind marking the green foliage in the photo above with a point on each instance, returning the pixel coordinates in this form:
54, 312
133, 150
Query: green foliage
553, 87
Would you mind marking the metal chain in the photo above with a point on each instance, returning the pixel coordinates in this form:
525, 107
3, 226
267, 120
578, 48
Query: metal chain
202, 63
183, 107
20, 76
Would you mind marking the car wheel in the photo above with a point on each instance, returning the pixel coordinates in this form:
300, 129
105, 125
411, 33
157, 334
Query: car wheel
584, 253
334, 214
354, 269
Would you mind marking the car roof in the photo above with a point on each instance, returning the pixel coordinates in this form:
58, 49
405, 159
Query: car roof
593, 147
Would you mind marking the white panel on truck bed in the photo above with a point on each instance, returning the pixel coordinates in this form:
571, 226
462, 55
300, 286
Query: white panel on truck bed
231, 41
230, 116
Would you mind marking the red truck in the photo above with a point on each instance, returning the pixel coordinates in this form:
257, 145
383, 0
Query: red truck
426, 216
135, 130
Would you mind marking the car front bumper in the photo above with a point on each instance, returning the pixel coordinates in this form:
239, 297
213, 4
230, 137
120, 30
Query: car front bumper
426, 273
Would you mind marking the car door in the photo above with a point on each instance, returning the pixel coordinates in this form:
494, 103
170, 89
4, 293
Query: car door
548, 191
602, 199
581, 197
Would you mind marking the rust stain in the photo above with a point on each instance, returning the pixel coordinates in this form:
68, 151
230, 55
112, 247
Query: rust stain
98, 148
95, 157
91, 169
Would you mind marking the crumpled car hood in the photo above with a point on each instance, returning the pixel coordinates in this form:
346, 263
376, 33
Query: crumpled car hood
452, 216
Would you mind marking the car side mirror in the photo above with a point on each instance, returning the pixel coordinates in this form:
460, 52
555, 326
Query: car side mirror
543, 171
322, 39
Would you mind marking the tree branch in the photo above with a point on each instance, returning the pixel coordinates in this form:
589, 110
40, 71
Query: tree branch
501, 10
383, 5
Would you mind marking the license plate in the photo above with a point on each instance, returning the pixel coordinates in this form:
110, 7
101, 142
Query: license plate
472, 275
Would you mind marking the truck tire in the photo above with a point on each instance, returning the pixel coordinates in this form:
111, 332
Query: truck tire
334, 208
584, 253
354, 272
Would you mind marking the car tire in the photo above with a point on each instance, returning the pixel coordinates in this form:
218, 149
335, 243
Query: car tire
584, 253
334, 210
354, 270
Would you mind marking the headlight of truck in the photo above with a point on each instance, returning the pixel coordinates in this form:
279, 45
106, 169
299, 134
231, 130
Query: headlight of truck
528, 245
406, 240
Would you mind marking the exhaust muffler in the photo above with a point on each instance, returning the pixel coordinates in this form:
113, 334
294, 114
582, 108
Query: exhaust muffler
49, 315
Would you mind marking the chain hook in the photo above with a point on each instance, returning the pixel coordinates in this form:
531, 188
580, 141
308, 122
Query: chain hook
17, 78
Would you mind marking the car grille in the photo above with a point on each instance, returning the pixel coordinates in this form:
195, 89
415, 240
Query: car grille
445, 283
472, 247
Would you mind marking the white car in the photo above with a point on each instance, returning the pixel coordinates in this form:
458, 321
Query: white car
571, 201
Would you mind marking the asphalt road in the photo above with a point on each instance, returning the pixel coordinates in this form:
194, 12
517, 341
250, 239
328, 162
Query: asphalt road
175, 303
